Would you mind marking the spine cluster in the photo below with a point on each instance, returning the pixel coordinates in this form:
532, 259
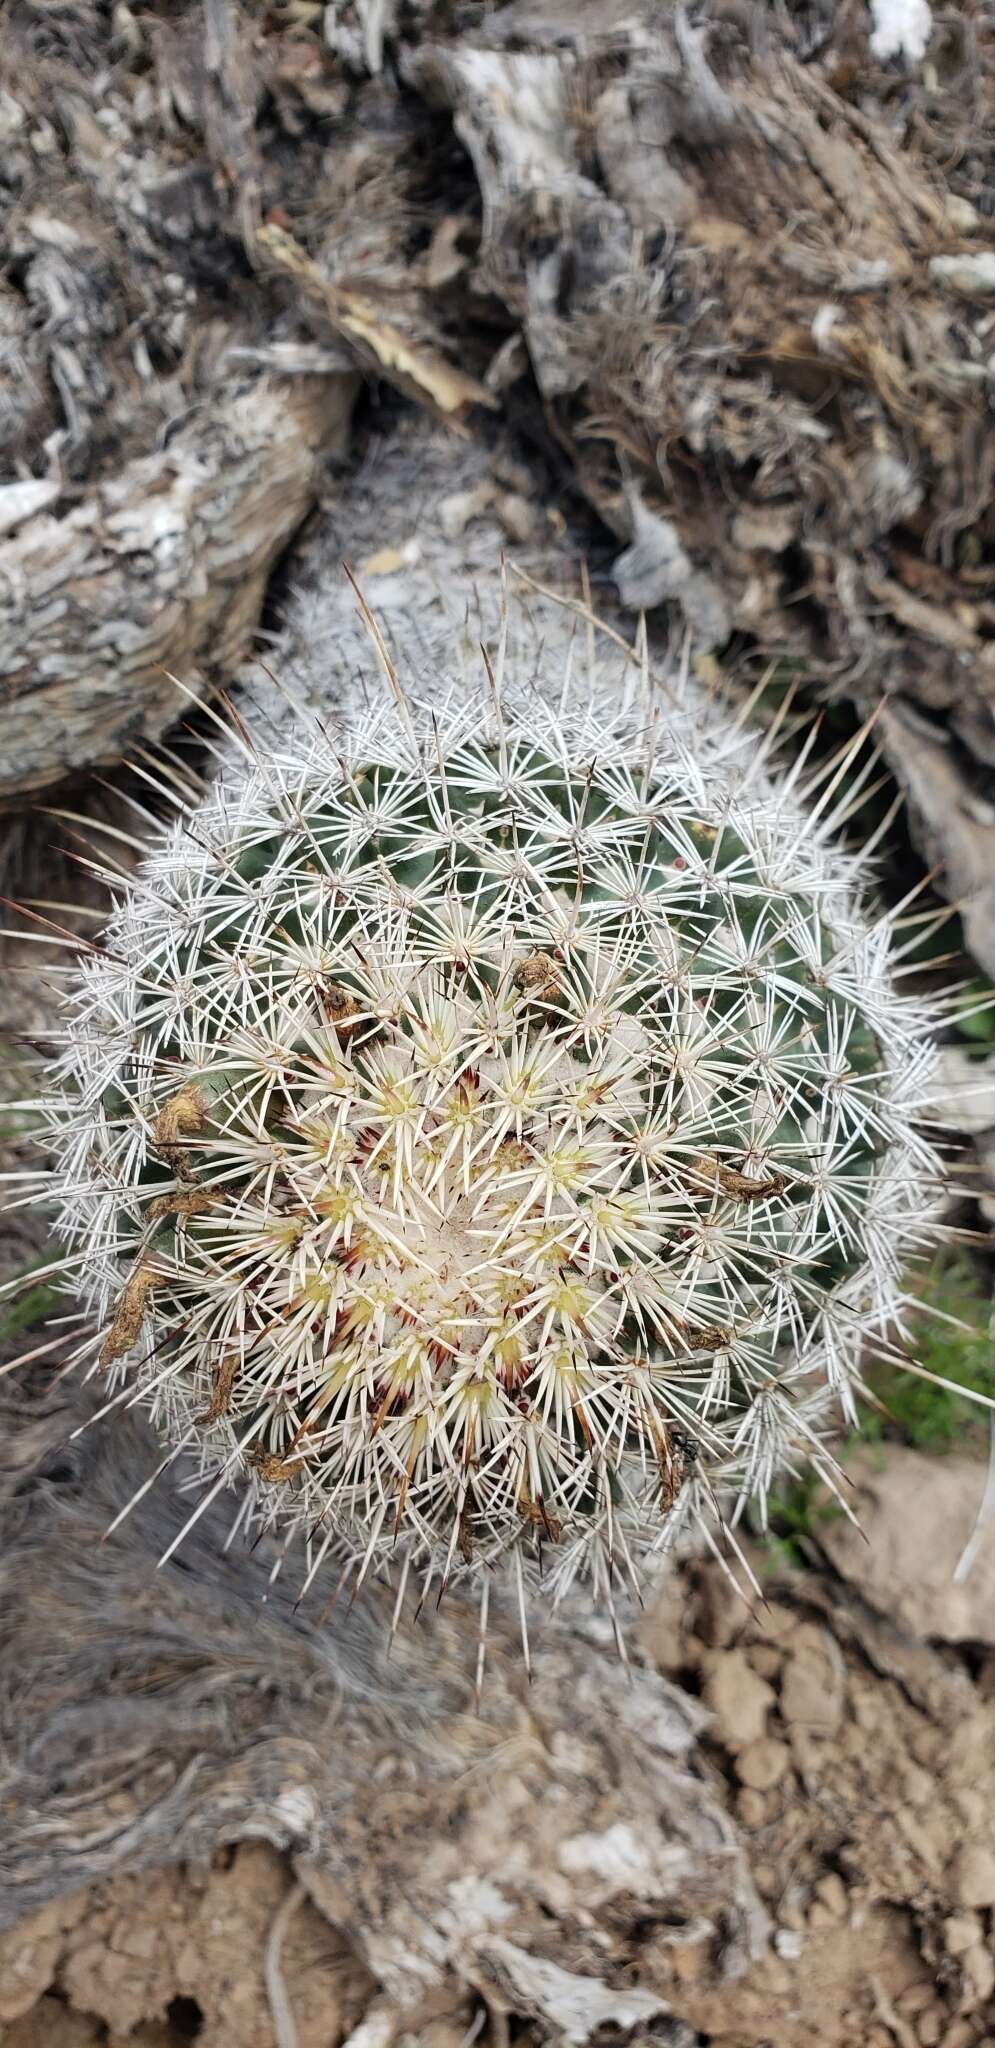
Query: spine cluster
493, 1137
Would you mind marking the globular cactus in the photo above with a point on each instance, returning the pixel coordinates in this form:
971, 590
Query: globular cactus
493, 1136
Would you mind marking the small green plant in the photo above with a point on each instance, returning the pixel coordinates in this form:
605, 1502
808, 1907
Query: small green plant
796, 1509
954, 1341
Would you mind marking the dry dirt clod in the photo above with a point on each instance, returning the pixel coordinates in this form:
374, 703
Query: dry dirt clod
811, 1693
739, 1699
751, 1807
961, 1932
905, 1565
973, 1876
978, 1965
833, 1893
763, 1764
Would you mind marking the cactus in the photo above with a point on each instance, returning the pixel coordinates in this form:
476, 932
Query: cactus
492, 1137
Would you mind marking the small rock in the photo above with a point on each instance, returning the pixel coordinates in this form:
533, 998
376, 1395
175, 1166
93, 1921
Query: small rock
739, 1700
973, 1876
978, 1965
788, 1943
960, 213
689, 1961
765, 1660
961, 1932
929, 2026
763, 1764
662, 1632
820, 1915
919, 1787
833, 1893
971, 1805
752, 1809
915, 1999
811, 1687
917, 1514
22, 500
517, 516
724, 1612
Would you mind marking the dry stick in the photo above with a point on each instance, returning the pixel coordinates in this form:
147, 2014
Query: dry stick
284, 2026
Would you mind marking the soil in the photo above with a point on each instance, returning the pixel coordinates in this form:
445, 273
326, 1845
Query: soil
859, 1762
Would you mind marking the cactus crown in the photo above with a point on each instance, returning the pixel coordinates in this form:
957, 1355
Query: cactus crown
494, 1137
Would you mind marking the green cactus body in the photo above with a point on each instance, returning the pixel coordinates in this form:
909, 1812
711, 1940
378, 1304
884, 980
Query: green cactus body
494, 1140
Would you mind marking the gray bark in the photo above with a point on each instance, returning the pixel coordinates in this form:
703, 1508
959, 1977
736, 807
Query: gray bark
726, 268
153, 1715
156, 579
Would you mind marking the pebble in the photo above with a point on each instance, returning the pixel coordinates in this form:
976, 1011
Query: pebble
751, 1807
811, 1684
960, 2034
915, 1999
724, 1611
821, 1916
979, 1965
766, 1661
973, 1876
919, 1785
788, 1943
833, 1893
972, 1806
763, 1764
689, 1961
961, 1932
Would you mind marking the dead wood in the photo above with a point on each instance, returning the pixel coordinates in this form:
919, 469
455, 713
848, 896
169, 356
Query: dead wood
150, 1715
757, 315
158, 575
166, 419
729, 271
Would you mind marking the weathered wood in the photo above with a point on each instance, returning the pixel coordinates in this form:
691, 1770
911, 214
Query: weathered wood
729, 273
149, 1715
159, 574
758, 316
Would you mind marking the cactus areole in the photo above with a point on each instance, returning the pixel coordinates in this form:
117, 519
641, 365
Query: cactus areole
492, 1136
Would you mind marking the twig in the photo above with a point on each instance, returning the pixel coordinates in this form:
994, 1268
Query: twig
378, 2026
284, 2025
